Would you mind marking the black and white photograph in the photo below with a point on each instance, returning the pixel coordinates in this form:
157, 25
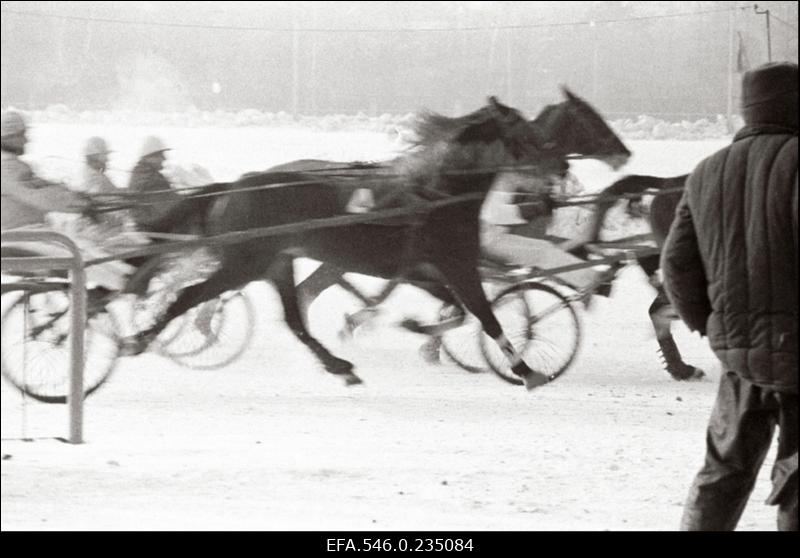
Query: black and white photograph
403, 273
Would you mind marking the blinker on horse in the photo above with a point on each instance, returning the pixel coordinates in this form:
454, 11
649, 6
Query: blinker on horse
436, 249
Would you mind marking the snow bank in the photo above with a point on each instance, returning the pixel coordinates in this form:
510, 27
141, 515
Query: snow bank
642, 127
647, 127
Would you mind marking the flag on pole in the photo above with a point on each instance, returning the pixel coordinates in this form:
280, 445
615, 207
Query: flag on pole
742, 59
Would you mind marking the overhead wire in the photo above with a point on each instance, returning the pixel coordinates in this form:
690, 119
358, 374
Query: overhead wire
127, 21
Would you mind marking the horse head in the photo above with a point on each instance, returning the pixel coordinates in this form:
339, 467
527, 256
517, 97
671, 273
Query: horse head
574, 129
516, 139
480, 143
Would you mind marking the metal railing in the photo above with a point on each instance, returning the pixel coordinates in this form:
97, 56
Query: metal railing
73, 264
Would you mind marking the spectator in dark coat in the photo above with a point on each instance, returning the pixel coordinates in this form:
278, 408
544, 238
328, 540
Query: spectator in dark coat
147, 178
730, 269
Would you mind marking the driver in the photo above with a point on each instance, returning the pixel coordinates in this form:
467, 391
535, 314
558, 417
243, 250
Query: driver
29, 202
26, 197
505, 212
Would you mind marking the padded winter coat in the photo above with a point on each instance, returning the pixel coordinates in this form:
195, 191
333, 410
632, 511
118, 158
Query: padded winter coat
730, 259
159, 201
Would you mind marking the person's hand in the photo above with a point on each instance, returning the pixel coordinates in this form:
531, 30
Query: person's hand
90, 208
636, 209
540, 208
549, 204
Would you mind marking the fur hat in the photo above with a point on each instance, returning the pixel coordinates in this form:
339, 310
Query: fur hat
12, 124
769, 94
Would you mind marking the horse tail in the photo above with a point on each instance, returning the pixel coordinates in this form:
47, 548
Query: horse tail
632, 186
193, 209
662, 209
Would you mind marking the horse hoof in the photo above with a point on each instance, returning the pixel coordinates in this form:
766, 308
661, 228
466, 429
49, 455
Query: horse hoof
203, 326
411, 325
689, 374
129, 347
342, 368
351, 324
534, 379
430, 351
352, 380
345, 334
133, 345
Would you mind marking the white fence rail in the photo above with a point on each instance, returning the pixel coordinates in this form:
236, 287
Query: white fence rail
73, 264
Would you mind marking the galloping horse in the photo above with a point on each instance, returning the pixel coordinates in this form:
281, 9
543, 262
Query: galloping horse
668, 193
571, 129
455, 159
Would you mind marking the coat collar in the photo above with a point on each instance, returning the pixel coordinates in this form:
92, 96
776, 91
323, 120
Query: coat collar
763, 129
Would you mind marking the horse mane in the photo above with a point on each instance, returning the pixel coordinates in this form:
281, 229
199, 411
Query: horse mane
546, 115
431, 127
442, 142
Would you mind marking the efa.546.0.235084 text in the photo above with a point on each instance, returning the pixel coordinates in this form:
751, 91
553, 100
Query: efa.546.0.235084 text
400, 545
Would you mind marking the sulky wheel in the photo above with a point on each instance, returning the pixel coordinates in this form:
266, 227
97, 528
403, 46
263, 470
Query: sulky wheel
462, 344
542, 326
36, 344
210, 335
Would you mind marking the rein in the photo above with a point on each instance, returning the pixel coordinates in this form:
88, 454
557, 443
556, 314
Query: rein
141, 198
587, 199
590, 199
236, 237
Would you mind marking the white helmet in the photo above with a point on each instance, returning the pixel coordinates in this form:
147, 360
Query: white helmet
12, 124
96, 146
151, 145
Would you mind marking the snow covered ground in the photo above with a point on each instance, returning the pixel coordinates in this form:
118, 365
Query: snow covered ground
273, 443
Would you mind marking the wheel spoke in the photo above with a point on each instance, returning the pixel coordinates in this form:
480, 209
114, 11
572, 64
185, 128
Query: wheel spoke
36, 352
549, 338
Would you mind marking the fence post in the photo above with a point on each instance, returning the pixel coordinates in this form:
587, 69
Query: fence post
73, 264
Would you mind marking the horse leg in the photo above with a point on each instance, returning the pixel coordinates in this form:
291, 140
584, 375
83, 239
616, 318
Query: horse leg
282, 275
324, 277
140, 279
436, 289
662, 315
371, 305
226, 278
430, 349
328, 275
465, 281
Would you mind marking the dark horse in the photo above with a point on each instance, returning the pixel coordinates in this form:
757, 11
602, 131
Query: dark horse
571, 129
436, 248
667, 193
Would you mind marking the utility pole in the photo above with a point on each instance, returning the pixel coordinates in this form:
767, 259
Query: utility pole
295, 63
509, 39
731, 67
492, 49
312, 78
769, 37
595, 78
